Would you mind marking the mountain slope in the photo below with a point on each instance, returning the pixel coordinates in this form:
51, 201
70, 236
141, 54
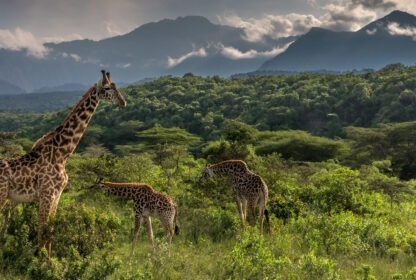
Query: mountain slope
8, 88
373, 46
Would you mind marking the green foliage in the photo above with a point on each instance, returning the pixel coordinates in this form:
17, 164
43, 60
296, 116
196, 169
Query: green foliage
336, 190
83, 229
158, 135
300, 145
7, 146
252, 258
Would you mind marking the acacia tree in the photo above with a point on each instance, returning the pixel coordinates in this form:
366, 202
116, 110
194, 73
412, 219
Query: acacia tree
169, 146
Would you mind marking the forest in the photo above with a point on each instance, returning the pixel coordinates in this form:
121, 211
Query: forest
337, 151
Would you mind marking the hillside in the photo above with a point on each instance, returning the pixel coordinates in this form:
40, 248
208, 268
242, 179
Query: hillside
8, 88
39, 102
311, 102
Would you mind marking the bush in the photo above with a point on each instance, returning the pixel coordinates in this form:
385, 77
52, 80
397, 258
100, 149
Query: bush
251, 258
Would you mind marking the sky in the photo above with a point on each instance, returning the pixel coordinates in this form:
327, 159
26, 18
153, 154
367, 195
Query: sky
30, 23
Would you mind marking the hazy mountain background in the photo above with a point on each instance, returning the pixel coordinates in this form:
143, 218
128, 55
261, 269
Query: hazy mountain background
194, 44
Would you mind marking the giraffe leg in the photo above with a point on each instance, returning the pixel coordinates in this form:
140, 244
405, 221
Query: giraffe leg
262, 208
169, 230
45, 209
148, 221
240, 208
3, 201
244, 203
168, 224
251, 213
3, 195
137, 219
52, 212
11, 206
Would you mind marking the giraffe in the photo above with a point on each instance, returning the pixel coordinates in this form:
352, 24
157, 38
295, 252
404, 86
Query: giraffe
249, 189
147, 203
40, 174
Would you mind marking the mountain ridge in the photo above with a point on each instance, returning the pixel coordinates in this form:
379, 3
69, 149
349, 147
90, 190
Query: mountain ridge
342, 50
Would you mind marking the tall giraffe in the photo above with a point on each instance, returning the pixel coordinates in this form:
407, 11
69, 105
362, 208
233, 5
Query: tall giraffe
40, 174
147, 203
249, 189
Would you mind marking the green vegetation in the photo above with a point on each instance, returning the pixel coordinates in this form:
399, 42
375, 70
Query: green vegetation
337, 153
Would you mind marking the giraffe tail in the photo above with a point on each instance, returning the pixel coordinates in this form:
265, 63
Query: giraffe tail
176, 226
266, 215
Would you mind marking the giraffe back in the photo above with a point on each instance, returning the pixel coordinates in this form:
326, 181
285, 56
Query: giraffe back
147, 201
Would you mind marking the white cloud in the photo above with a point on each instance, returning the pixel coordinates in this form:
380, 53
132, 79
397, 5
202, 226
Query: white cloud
275, 26
112, 30
347, 17
74, 56
172, 62
123, 65
59, 39
337, 15
19, 39
395, 29
233, 53
371, 31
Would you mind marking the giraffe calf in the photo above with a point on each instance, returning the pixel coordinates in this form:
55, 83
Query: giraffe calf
147, 203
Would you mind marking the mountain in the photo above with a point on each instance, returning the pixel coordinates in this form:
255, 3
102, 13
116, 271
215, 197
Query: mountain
8, 88
384, 41
170, 46
62, 88
39, 102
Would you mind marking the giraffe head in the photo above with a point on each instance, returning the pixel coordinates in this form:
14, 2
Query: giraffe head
97, 184
206, 174
108, 90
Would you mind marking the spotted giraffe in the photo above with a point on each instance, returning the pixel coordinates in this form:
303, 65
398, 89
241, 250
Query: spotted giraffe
40, 174
249, 189
147, 203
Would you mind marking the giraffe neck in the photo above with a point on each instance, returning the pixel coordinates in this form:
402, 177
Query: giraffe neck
62, 142
230, 167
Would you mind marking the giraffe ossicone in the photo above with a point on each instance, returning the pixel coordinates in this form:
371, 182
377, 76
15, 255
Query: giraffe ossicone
40, 174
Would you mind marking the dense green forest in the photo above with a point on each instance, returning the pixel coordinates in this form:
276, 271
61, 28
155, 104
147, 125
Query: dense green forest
337, 151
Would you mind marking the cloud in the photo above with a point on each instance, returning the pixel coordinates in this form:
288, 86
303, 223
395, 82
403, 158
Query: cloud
123, 65
340, 15
371, 31
112, 30
375, 4
395, 29
59, 39
19, 39
275, 26
349, 17
235, 54
74, 56
172, 62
